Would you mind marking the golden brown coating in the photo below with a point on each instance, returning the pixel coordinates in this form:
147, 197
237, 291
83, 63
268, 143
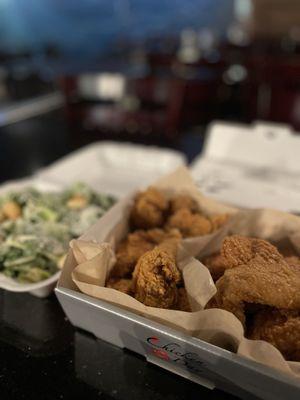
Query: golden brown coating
156, 276
183, 303
219, 220
123, 285
235, 250
135, 245
294, 262
183, 201
149, 209
216, 264
281, 328
128, 253
190, 225
238, 250
158, 236
261, 275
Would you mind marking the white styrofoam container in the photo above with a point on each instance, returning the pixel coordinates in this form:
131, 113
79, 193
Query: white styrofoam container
250, 166
40, 289
114, 168
45, 287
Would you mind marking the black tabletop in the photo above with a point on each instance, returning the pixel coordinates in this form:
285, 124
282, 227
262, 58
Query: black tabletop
41, 355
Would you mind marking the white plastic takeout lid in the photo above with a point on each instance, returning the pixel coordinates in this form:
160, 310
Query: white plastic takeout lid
114, 168
251, 166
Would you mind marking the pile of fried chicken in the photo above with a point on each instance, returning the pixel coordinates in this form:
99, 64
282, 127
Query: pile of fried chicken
261, 287
255, 281
146, 265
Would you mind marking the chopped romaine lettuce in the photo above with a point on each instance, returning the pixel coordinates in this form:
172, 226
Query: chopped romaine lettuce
33, 245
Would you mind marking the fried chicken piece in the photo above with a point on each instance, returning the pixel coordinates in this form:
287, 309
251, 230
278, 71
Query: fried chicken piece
218, 220
190, 225
149, 209
238, 250
156, 276
216, 264
128, 253
123, 285
158, 236
183, 303
281, 328
135, 245
235, 250
260, 275
294, 262
183, 201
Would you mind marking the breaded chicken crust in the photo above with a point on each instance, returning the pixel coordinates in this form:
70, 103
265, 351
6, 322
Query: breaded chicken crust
156, 276
281, 328
149, 210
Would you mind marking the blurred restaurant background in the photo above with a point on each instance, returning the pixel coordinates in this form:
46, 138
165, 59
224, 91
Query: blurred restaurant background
151, 72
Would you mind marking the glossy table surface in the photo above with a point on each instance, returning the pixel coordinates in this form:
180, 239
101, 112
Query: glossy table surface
43, 357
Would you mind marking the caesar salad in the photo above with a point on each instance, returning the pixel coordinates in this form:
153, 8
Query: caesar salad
36, 228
